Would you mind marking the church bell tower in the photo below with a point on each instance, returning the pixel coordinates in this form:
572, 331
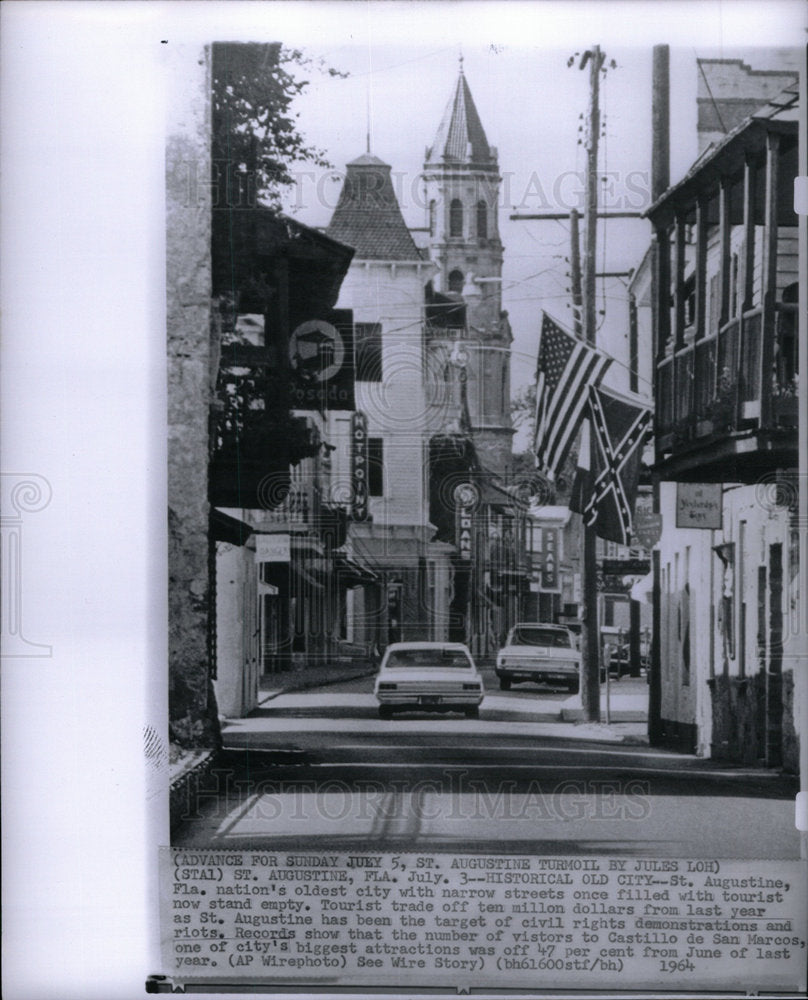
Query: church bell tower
462, 180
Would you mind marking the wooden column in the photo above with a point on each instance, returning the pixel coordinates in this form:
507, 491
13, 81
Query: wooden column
769, 296
663, 291
701, 267
724, 247
748, 235
679, 284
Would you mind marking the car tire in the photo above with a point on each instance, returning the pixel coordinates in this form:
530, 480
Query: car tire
385, 712
504, 683
472, 711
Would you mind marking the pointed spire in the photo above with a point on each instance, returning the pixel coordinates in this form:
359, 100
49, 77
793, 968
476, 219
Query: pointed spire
460, 135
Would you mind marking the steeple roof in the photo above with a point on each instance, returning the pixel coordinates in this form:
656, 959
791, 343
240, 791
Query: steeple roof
368, 216
460, 134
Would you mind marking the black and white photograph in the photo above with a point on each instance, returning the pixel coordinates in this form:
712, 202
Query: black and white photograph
476, 651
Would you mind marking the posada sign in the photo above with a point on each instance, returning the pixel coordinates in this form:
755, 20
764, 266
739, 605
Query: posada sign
321, 360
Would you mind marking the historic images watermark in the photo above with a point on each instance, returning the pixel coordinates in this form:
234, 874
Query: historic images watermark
454, 796
20, 494
230, 187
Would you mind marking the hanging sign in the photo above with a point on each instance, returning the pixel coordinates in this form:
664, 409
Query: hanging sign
321, 359
549, 552
698, 505
359, 467
273, 548
466, 498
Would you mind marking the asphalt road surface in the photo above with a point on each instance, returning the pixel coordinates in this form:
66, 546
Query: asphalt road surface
327, 773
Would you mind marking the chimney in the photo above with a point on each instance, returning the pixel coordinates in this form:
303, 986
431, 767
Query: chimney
660, 122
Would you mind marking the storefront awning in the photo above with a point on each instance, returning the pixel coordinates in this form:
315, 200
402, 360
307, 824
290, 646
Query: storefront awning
352, 573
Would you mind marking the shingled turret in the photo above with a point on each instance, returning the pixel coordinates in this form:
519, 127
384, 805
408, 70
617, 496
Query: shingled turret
368, 216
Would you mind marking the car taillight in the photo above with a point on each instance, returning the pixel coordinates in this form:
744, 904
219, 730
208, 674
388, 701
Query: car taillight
471, 687
385, 686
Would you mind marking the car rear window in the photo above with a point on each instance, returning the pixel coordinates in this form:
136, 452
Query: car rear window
438, 658
529, 636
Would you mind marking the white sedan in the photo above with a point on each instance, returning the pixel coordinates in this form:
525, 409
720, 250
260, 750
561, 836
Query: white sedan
428, 677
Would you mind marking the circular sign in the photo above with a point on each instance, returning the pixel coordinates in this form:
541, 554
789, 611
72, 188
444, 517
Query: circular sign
316, 351
466, 495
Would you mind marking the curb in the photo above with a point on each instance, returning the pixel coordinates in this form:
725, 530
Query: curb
304, 683
185, 780
615, 715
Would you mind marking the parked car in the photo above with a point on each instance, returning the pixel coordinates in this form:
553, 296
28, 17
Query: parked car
428, 677
539, 651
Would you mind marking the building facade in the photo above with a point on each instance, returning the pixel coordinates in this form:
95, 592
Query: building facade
726, 366
390, 532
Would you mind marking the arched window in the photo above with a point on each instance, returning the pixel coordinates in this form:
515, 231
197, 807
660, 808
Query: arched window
482, 220
456, 281
432, 208
456, 217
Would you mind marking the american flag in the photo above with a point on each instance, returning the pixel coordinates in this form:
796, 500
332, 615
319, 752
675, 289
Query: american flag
566, 368
620, 429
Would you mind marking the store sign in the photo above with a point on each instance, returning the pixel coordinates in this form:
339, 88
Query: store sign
626, 567
273, 548
699, 505
647, 528
359, 467
321, 358
466, 497
549, 563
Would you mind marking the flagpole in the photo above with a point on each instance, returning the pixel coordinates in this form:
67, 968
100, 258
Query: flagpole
590, 647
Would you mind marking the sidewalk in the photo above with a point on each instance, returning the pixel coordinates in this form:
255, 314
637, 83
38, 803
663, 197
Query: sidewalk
310, 677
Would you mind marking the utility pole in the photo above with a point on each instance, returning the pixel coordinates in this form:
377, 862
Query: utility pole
575, 273
590, 638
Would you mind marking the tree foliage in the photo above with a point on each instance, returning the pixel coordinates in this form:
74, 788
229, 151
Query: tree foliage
256, 136
523, 406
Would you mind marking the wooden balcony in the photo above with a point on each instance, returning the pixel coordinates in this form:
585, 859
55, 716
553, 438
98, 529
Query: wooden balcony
726, 405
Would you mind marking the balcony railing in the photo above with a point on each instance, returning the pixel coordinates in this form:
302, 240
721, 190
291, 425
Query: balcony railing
717, 385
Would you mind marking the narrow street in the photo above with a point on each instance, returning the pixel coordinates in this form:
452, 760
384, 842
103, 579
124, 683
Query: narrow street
516, 780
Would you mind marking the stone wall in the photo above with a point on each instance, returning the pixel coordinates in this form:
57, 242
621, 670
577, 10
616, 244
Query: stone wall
192, 709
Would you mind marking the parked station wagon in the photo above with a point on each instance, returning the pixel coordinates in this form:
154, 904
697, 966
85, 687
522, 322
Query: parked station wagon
535, 651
